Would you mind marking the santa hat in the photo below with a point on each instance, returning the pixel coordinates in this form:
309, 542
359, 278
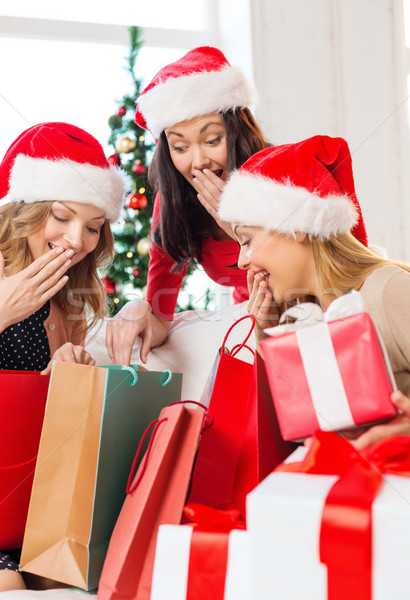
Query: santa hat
58, 161
200, 82
306, 187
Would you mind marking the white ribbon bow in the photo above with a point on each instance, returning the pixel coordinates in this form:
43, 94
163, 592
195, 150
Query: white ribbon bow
309, 313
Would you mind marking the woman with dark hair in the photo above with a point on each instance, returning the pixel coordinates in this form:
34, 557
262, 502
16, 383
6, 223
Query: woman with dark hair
198, 111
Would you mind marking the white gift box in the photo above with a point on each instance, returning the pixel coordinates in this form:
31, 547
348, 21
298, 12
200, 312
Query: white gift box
171, 566
284, 518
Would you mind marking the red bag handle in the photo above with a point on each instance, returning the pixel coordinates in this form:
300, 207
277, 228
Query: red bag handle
131, 488
239, 347
19, 465
223, 349
207, 415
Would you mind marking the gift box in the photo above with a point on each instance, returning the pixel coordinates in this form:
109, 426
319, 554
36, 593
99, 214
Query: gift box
197, 563
334, 525
330, 375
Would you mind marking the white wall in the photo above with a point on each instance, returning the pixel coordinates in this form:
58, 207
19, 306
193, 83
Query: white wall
335, 67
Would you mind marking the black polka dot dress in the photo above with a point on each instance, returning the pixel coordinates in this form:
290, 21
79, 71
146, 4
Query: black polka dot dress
24, 346
8, 563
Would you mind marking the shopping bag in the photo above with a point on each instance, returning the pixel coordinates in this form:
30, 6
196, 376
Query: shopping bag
94, 420
226, 394
23, 397
263, 447
155, 496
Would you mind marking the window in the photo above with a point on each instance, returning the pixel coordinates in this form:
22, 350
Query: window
65, 62
64, 65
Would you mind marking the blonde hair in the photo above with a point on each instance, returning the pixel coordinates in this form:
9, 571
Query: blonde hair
343, 263
83, 292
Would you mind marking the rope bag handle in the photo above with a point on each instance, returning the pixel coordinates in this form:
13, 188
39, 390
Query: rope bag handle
238, 347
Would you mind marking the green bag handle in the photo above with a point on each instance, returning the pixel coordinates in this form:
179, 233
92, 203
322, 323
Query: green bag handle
167, 376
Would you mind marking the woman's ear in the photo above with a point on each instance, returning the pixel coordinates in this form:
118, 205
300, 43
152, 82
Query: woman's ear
300, 237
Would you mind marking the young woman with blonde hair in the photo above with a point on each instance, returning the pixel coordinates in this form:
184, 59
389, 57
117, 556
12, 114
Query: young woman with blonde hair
293, 209
58, 194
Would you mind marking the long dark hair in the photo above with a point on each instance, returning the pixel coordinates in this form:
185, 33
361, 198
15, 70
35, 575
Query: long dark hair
184, 223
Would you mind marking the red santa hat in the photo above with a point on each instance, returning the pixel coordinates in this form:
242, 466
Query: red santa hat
306, 187
200, 82
58, 161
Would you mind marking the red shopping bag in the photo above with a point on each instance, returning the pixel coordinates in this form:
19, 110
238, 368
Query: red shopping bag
23, 396
227, 391
156, 496
263, 447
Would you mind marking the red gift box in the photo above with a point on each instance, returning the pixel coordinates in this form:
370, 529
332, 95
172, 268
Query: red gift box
330, 376
209, 558
338, 518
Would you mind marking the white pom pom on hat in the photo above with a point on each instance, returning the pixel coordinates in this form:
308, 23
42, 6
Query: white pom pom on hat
303, 187
58, 161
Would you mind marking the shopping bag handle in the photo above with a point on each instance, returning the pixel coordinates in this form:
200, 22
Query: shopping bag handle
210, 418
238, 347
19, 465
223, 349
167, 376
156, 423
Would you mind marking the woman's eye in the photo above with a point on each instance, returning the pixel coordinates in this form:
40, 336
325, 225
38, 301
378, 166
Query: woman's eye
179, 149
92, 230
246, 243
214, 142
61, 219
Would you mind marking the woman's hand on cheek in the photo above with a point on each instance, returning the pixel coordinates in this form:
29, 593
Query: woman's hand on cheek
261, 304
72, 354
24, 293
209, 187
399, 425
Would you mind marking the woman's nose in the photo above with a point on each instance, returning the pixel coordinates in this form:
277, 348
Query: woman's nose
200, 160
74, 237
243, 260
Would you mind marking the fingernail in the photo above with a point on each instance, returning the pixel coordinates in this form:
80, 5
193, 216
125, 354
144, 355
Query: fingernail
59, 250
68, 262
69, 253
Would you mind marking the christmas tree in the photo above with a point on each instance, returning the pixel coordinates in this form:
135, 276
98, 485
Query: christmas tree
125, 279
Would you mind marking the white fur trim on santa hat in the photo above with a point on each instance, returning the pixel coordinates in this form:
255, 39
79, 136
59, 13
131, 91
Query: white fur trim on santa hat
285, 208
182, 98
38, 179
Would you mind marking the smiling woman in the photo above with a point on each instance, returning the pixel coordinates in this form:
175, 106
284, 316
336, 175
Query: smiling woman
71, 226
197, 145
58, 194
198, 109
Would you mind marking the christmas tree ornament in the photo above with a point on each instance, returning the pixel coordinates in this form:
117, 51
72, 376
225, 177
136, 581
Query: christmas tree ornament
114, 160
136, 200
114, 122
138, 168
128, 273
125, 145
109, 285
143, 246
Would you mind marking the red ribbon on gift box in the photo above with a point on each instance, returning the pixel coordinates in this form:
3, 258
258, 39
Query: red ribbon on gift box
208, 558
346, 530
